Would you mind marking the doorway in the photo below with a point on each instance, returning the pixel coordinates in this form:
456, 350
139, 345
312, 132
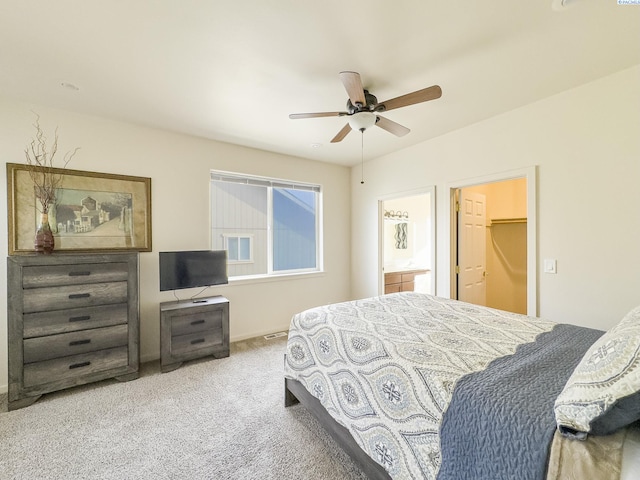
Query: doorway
407, 242
493, 242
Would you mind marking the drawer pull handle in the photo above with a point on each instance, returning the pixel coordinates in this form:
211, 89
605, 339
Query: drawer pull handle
197, 322
79, 342
82, 273
79, 365
79, 295
80, 319
199, 340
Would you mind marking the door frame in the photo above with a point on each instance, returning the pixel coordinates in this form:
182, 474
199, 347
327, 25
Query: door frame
431, 190
528, 173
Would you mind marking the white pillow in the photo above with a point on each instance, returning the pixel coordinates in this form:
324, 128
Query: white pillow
603, 393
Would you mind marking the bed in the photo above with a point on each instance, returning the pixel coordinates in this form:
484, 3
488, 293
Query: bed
415, 386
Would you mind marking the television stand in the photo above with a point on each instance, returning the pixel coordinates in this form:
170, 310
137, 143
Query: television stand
193, 329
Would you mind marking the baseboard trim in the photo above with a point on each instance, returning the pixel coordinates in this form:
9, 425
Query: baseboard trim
284, 328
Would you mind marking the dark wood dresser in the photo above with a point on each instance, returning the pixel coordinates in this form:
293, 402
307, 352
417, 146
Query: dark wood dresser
193, 329
72, 319
403, 281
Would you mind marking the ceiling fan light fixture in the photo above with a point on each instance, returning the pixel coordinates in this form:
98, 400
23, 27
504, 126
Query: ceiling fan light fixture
362, 120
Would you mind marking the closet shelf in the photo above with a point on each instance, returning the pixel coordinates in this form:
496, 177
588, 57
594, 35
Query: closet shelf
505, 221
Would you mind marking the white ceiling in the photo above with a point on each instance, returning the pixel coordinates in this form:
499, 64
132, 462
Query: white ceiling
233, 70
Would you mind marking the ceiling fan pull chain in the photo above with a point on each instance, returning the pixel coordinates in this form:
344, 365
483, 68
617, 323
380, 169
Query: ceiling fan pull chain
362, 156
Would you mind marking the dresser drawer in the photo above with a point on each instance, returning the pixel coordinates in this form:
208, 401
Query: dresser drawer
72, 367
62, 321
195, 341
73, 296
196, 322
66, 344
79, 274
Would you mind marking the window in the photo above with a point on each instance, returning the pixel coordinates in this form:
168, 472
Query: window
267, 226
239, 247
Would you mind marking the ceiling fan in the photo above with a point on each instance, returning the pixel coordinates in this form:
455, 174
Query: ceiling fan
363, 107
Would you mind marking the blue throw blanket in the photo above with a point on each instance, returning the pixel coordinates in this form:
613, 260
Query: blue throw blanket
491, 429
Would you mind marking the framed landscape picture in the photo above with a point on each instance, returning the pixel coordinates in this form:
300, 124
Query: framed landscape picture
92, 211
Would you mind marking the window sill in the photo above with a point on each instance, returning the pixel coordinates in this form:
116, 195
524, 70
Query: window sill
273, 278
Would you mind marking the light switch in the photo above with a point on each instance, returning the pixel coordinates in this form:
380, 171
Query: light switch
550, 265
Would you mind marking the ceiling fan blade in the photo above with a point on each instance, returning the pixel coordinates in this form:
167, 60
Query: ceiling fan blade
353, 85
424, 95
295, 116
392, 127
341, 134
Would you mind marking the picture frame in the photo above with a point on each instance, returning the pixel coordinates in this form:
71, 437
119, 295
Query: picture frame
92, 212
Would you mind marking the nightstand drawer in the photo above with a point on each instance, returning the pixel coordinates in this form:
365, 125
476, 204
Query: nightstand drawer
46, 276
69, 368
196, 322
195, 341
74, 296
66, 344
61, 321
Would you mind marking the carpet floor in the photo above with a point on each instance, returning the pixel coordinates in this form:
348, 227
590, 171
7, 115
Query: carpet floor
210, 419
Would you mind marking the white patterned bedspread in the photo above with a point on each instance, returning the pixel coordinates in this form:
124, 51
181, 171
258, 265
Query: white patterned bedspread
385, 367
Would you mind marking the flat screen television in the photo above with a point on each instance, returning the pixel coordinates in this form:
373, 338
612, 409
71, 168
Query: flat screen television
195, 268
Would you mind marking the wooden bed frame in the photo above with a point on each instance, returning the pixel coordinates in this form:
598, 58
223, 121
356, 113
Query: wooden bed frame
294, 392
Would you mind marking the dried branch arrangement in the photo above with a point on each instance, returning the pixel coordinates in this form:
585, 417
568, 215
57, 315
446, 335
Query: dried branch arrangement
40, 160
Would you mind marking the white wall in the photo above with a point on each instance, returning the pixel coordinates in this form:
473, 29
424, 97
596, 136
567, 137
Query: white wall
586, 144
179, 169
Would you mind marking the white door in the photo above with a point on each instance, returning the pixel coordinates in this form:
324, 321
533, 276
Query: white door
472, 253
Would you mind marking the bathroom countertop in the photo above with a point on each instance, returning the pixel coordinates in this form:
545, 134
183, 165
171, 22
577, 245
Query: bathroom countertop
405, 269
